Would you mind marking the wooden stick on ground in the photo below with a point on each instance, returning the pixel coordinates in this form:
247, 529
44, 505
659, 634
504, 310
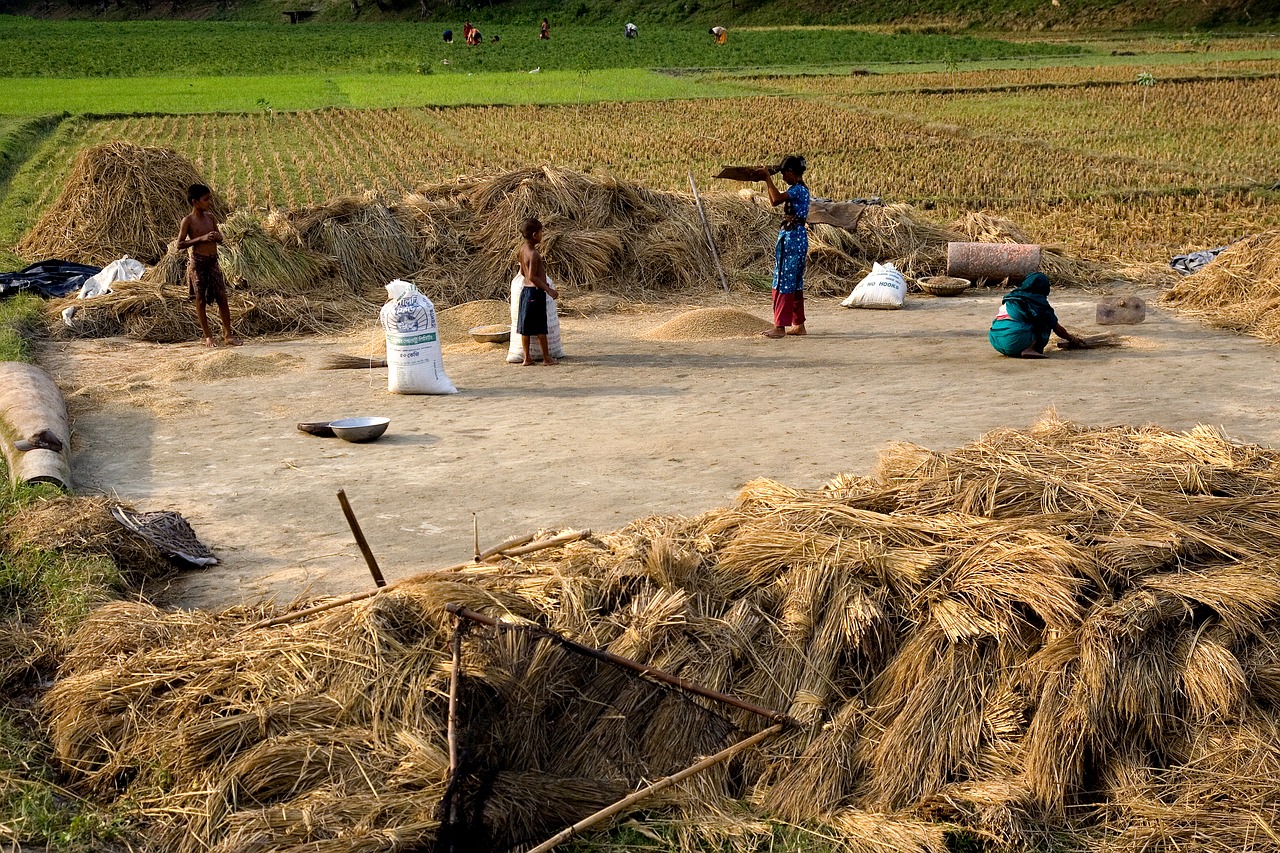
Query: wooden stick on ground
631, 799
486, 557
378, 579
706, 230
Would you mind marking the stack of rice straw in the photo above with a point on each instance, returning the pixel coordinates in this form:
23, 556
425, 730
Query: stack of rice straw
1060, 637
319, 268
1239, 290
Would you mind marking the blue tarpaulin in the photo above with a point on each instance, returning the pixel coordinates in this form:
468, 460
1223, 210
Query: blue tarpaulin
47, 278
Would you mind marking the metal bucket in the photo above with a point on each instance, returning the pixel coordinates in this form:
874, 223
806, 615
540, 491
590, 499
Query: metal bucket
992, 260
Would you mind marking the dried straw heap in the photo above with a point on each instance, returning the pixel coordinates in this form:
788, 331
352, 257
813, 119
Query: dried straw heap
1057, 637
327, 264
1239, 290
121, 199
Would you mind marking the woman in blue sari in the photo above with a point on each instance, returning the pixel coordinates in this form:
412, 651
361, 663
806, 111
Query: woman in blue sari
792, 248
1026, 320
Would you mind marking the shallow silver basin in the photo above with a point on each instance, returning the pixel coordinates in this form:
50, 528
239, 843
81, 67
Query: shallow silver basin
359, 429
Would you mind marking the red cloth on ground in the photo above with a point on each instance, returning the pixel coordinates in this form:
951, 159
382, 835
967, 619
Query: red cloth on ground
788, 308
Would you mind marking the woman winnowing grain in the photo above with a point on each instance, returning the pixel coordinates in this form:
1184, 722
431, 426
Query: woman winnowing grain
1026, 320
791, 250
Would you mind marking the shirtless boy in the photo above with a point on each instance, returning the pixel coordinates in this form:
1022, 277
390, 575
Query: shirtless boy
532, 320
199, 233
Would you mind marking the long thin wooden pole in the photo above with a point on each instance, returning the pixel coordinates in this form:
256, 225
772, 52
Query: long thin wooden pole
486, 557
706, 230
618, 660
631, 799
378, 579
455, 674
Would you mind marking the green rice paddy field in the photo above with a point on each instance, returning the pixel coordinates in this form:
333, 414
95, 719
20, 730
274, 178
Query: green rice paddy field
1109, 152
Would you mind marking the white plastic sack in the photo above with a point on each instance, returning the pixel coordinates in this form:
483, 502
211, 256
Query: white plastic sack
515, 352
414, 362
884, 287
125, 269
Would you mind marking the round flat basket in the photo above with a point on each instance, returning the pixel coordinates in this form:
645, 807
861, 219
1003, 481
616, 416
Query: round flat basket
498, 334
944, 285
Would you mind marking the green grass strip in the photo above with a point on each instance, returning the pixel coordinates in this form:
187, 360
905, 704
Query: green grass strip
176, 95
75, 49
19, 318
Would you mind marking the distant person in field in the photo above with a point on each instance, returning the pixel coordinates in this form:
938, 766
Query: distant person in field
199, 232
721, 34
448, 36
792, 249
1026, 320
466, 31
532, 317
630, 30
544, 32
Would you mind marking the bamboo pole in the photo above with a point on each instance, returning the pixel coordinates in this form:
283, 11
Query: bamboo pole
625, 663
455, 674
487, 557
361, 542
706, 231
631, 799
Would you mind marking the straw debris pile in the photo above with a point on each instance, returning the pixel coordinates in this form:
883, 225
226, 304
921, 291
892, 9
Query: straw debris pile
1239, 290
85, 553
121, 199
458, 242
1059, 636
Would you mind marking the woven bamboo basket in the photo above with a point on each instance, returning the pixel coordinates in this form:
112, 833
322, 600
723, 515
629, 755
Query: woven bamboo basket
944, 285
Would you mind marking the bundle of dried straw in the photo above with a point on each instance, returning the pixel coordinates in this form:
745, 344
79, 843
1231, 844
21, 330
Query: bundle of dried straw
121, 199
458, 242
1059, 635
1239, 290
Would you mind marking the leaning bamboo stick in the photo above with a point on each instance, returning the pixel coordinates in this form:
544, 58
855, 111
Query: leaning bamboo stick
540, 545
455, 675
706, 232
631, 799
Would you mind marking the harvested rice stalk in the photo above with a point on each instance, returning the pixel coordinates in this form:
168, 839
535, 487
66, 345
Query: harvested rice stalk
120, 199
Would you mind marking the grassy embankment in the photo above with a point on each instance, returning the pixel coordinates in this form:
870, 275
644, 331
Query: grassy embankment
43, 595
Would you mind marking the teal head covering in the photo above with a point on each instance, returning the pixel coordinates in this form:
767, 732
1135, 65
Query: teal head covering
1029, 303
1037, 283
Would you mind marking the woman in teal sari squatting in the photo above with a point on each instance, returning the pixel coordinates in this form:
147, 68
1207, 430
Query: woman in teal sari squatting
1026, 320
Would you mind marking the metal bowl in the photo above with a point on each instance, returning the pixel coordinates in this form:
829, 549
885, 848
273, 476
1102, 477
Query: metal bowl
359, 429
497, 334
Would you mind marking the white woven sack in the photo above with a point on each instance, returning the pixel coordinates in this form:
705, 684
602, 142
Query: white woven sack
515, 352
414, 362
883, 288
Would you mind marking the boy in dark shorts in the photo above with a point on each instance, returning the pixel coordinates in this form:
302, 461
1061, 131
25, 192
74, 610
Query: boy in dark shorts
532, 320
199, 233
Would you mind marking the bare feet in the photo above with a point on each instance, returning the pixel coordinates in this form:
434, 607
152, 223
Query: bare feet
548, 362
528, 362
209, 342
775, 332
234, 342
798, 330
1030, 353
